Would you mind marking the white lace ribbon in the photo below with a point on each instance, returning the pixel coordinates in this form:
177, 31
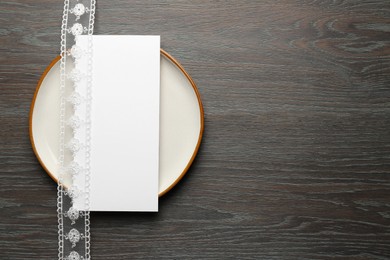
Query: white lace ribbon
75, 132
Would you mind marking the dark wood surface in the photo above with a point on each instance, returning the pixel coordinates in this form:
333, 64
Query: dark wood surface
295, 160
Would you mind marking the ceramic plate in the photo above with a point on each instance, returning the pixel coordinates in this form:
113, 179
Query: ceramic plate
181, 121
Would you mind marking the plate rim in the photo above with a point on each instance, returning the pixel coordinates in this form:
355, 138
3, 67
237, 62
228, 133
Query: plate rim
177, 64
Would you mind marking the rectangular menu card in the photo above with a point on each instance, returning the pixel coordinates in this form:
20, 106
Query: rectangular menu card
125, 110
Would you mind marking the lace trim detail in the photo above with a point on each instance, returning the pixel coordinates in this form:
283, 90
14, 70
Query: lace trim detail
76, 99
75, 126
74, 236
73, 214
74, 256
75, 122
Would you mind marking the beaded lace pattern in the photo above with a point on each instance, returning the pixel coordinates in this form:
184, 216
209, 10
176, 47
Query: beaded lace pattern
75, 131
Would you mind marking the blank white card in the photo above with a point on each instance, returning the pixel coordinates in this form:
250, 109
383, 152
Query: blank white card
124, 122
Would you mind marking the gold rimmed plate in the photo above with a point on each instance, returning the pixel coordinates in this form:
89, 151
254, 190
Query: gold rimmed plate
181, 121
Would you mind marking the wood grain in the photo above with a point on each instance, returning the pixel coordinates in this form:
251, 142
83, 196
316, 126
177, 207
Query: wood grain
295, 160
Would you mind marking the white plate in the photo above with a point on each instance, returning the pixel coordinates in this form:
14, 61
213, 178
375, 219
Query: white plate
181, 121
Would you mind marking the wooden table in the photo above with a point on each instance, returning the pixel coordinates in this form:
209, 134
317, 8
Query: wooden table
295, 160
